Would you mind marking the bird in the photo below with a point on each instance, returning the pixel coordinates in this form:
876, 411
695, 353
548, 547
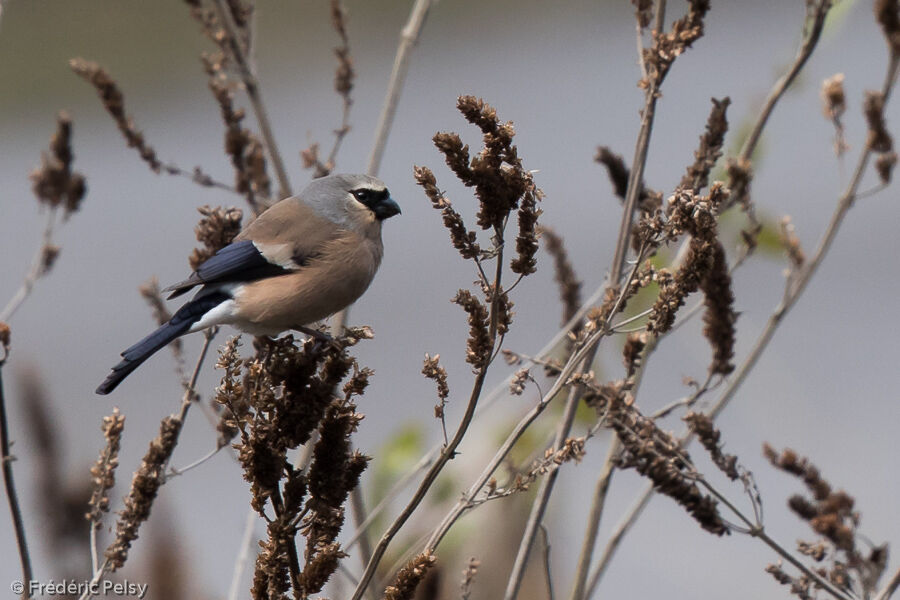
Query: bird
303, 259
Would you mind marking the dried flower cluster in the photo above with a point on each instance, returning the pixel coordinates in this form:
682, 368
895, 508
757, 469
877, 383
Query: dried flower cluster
667, 46
343, 85
887, 13
658, 456
433, 370
465, 588
501, 183
275, 401
632, 351
216, 229
55, 184
103, 473
244, 147
114, 102
566, 279
643, 12
702, 426
879, 139
5, 336
463, 239
144, 487
705, 268
834, 103
409, 578
480, 344
830, 514
791, 243
648, 200
710, 149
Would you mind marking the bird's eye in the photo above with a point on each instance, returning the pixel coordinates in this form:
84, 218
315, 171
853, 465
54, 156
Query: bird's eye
360, 195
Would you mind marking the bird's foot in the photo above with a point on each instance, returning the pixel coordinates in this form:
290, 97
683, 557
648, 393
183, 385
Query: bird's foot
321, 337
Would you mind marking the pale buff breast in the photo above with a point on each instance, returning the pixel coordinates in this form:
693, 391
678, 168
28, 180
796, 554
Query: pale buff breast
318, 290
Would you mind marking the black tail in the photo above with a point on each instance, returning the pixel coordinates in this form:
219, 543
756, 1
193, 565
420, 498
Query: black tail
178, 325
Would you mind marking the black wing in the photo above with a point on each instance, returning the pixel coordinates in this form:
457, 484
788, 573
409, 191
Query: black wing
239, 261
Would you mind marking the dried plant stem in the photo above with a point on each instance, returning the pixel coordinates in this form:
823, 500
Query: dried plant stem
890, 588
408, 38
756, 529
448, 451
793, 291
87, 594
186, 402
636, 177
253, 93
616, 538
539, 507
398, 487
578, 358
807, 45
37, 269
243, 557
593, 525
357, 504
11, 496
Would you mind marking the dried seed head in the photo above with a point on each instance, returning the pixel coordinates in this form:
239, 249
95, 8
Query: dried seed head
879, 139
55, 184
517, 385
4, 339
884, 164
216, 229
433, 370
144, 487
710, 148
463, 239
103, 473
886, 13
479, 345
834, 102
409, 578
791, 243
114, 103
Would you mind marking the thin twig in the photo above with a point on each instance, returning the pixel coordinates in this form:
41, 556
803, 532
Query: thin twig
810, 40
547, 572
358, 507
88, 593
448, 452
397, 488
593, 524
253, 93
240, 563
11, 495
408, 38
38, 269
890, 588
175, 472
539, 506
793, 291
187, 400
807, 45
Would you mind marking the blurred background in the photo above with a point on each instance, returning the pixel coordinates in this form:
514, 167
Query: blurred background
566, 75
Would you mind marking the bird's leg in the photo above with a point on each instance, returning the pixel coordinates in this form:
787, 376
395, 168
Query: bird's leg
320, 336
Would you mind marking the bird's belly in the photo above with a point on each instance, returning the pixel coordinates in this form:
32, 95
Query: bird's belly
281, 303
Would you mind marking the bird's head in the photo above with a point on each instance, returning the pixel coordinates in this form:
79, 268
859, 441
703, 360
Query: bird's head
353, 201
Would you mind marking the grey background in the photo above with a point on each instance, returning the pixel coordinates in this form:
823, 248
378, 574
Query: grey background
565, 74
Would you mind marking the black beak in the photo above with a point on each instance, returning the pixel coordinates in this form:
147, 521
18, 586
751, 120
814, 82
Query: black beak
386, 209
